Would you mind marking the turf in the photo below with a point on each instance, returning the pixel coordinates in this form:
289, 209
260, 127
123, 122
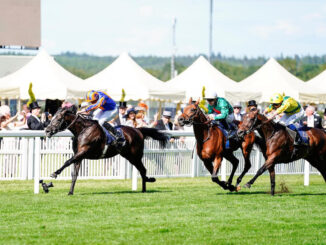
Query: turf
174, 211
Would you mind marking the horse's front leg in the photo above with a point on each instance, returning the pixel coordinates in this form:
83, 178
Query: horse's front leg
269, 162
76, 158
74, 175
246, 155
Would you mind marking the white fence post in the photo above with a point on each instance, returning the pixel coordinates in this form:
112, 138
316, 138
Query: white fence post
134, 178
30, 164
37, 159
306, 173
194, 164
24, 159
223, 170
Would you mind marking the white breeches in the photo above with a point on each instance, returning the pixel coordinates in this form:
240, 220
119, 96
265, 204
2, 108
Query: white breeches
290, 119
103, 116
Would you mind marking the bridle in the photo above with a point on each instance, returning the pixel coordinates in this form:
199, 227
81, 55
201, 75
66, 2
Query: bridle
190, 119
253, 127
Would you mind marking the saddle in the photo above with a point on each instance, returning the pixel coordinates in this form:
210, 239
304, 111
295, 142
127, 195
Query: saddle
114, 135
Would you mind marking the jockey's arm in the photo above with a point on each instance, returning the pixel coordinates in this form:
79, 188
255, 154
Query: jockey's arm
98, 104
224, 113
283, 107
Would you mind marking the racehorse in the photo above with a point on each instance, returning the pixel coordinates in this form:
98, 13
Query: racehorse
211, 145
89, 142
279, 145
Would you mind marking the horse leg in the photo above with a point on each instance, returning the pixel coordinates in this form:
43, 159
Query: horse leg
272, 177
269, 162
76, 158
142, 170
216, 166
247, 166
74, 175
235, 162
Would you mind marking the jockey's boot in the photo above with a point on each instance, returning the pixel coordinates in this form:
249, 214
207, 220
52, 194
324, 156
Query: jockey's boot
232, 132
119, 140
297, 141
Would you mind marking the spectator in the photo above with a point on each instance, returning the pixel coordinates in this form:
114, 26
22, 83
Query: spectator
251, 104
311, 119
324, 123
237, 112
33, 122
10, 123
26, 110
164, 123
140, 117
66, 103
120, 119
131, 118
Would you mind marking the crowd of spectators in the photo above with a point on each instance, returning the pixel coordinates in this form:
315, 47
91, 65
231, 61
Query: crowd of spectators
31, 117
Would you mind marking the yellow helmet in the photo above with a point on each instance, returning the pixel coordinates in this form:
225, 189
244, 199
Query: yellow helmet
276, 98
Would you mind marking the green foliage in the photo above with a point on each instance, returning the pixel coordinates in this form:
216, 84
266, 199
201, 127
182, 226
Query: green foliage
84, 65
174, 211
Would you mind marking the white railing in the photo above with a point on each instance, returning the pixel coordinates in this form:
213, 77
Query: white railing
29, 155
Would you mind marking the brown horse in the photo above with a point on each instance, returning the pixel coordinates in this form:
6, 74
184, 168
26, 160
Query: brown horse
279, 145
211, 145
89, 142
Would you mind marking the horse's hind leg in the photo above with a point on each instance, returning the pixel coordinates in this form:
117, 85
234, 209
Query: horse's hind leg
235, 162
272, 177
74, 175
319, 165
216, 166
142, 170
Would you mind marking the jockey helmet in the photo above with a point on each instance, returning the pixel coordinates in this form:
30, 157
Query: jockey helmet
276, 98
91, 96
210, 95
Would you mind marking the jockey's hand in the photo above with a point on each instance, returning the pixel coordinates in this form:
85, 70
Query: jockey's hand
81, 112
211, 116
271, 116
265, 111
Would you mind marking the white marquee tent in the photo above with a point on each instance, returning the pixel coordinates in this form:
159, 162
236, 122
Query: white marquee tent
201, 73
49, 79
269, 79
125, 73
315, 89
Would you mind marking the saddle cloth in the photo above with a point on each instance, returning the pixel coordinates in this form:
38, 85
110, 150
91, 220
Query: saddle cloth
110, 138
302, 130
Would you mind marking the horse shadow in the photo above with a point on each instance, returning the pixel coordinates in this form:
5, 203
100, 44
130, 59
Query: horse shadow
124, 192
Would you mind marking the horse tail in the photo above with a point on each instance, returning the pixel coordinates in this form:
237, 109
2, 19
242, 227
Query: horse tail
155, 134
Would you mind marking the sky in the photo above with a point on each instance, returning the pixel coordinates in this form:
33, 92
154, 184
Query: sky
144, 27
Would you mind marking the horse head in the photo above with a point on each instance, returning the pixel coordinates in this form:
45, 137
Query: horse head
190, 113
61, 120
250, 122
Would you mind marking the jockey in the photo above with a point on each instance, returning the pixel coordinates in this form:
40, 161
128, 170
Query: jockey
104, 109
219, 109
292, 110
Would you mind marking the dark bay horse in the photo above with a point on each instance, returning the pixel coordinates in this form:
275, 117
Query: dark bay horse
89, 142
211, 145
279, 145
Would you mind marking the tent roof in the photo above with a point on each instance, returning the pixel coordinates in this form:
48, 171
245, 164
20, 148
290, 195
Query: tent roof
125, 73
50, 80
11, 63
315, 89
269, 79
201, 73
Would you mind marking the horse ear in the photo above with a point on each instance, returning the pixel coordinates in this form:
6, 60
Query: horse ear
197, 102
73, 109
190, 101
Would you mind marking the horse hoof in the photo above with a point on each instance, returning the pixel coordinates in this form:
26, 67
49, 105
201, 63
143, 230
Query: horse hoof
231, 188
53, 175
247, 186
238, 188
150, 180
70, 193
